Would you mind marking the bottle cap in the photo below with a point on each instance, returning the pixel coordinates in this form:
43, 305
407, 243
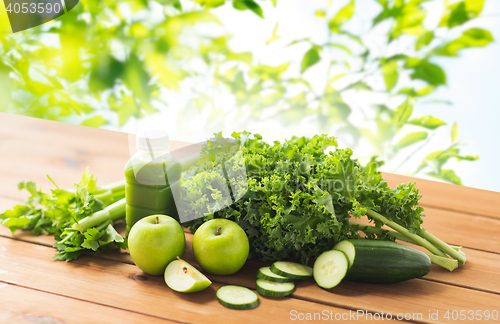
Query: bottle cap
153, 140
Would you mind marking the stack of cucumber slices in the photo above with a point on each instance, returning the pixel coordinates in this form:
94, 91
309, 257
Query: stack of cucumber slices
279, 279
359, 260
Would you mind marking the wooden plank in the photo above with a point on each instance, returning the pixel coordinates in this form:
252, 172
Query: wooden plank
34, 148
22, 305
461, 229
124, 286
60, 150
452, 197
480, 273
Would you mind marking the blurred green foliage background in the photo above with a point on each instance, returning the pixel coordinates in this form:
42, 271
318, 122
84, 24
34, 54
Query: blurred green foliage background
107, 62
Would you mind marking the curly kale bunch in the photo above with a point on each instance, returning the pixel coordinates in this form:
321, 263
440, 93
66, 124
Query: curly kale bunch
295, 199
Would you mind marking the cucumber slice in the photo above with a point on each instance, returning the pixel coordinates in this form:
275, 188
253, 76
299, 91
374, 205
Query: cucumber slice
330, 268
274, 289
266, 274
237, 297
348, 248
291, 270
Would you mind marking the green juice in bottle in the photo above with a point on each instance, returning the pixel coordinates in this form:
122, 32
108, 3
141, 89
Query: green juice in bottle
151, 175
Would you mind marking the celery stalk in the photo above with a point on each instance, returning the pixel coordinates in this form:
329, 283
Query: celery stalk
443, 246
113, 212
447, 263
418, 239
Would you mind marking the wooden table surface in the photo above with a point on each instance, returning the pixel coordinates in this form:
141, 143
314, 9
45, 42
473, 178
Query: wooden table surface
109, 288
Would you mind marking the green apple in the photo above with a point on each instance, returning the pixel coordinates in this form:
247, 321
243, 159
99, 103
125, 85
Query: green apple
155, 241
183, 277
220, 246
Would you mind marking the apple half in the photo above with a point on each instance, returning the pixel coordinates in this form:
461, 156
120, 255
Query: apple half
183, 277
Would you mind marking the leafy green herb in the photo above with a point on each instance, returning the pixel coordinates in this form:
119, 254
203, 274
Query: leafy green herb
80, 219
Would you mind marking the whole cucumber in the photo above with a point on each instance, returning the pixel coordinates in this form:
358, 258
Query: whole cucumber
384, 261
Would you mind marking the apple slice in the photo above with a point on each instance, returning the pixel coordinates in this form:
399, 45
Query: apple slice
183, 277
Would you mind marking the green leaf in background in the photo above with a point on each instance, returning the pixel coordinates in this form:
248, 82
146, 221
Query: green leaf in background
411, 139
340, 46
424, 40
411, 92
210, 3
136, 79
96, 121
5, 84
428, 122
125, 108
167, 75
310, 58
267, 72
426, 71
390, 72
474, 37
320, 13
409, 17
402, 113
459, 13
437, 159
274, 36
454, 132
341, 17
177, 5
250, 5
468, 158
104, 72
386, 13
447, 175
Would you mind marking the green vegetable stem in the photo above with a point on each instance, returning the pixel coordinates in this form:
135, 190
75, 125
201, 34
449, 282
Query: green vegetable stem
415, 238
112, 213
